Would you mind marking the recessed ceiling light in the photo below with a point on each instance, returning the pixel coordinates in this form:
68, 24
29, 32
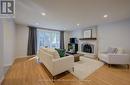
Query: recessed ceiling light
43, 13
78, 24
37, 23
105, 16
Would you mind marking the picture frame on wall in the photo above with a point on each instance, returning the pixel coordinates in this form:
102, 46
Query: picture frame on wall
88, 33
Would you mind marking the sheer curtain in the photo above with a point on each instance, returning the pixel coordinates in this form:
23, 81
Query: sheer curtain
48, 38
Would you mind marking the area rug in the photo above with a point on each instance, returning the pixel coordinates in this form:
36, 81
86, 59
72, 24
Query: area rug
85, 67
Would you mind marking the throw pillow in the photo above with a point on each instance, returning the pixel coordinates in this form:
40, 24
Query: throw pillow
61, 52
120, 51
112, 50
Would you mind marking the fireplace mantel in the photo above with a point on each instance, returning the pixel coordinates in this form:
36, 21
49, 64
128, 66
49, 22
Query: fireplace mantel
87, 38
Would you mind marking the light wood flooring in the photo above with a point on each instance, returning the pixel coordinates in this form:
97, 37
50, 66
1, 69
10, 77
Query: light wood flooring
26, 71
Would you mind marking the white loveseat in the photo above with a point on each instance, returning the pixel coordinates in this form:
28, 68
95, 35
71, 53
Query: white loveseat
115, 57
55, 65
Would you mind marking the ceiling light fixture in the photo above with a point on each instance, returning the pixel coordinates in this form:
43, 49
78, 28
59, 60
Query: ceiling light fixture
78, 24
43, 14
105, 16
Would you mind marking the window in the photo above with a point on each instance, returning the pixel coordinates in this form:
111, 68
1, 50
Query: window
47, 38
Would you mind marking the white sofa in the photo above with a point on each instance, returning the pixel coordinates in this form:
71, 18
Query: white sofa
115, 58
51, 59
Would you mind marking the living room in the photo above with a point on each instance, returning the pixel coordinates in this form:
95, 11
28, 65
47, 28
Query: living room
81, 42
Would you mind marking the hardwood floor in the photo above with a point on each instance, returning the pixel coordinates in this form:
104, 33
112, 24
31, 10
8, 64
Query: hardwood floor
26, 71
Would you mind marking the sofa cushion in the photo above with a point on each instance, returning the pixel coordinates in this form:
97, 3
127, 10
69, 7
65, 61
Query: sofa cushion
52, 52
61, 52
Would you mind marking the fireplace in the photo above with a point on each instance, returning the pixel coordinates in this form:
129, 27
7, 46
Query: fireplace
88, 48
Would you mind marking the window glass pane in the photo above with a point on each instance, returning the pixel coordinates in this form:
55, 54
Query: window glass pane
47, 38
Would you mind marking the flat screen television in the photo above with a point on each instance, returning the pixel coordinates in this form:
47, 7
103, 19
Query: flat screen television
73, 40
72, 47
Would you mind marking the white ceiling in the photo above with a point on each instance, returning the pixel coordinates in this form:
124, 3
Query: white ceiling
65, 14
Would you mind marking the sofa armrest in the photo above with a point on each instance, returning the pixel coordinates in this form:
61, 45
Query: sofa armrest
62, 64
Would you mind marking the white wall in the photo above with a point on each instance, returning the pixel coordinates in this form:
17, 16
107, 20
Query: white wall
9, 41
116, 34
1, 51
77, 33
21, 40
7, 44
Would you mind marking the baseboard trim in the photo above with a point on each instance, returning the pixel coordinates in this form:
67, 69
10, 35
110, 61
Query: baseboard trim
5, 69
1, 79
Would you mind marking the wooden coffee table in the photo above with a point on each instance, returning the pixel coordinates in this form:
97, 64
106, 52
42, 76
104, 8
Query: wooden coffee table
77, 57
